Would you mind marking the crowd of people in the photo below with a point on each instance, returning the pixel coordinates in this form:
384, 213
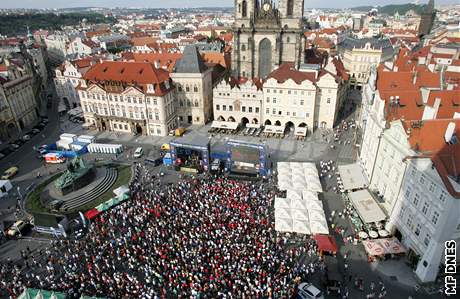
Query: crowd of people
208, 237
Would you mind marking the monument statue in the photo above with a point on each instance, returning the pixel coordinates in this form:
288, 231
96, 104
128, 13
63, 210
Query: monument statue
78, 174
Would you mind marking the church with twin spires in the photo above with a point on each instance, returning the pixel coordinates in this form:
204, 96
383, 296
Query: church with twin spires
266, 33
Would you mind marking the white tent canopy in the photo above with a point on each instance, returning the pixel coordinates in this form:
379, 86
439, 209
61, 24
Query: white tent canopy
301, 226
283, 224
352, 176
366, 206
318, 227
302, 215
298, 176
224, 125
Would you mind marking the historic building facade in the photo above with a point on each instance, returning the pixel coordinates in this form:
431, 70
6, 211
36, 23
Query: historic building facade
130, 97
266, 36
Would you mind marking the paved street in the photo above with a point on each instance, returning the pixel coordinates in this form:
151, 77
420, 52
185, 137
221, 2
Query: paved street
315, 148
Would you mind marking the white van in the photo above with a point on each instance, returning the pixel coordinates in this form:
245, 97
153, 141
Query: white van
138, 153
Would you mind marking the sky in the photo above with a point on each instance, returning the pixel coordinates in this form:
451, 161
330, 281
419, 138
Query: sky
189, 3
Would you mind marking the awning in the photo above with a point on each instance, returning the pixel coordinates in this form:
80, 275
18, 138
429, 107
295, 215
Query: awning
253, 125
352, 176
224, 125
383, 246
366, 206
92, 213
300, 131
326, 243
274, 129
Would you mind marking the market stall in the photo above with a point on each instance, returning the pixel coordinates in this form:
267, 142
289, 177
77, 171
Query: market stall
384, 246
366, 206
326, 243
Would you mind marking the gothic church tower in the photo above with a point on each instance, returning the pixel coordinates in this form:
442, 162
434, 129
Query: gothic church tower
266, 34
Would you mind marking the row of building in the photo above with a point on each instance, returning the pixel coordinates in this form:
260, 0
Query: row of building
410, 149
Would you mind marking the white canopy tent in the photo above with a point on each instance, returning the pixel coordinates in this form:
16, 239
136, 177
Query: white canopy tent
256, 126
298, 176
283, 224
224, 125
366, 206
352, 176
301, 226
318, 227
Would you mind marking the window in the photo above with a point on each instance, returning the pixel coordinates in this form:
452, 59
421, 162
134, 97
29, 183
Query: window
243, 108
427, 239
187, 89
294, 113
407, 194
250, 109
257, 109
301, 102
432, 187
267, 111
422, 179
443, 196
288, 113
416, 199
268, 100
425, 208
268, 90
195, 89
417, 229
409, 221
154, 101
217, 107
230, 108
224, 107
328, 100
413, 172
115, 126
280, 112
307, 115
274, 111
435, 217
274, 100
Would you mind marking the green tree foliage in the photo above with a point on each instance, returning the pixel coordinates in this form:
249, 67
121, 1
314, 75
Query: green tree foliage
16, 24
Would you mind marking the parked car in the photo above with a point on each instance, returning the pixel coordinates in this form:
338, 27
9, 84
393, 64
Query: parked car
138, 153
10, 172
26, 137
35, 131
309, 291
32, 133
19, 227
14, 145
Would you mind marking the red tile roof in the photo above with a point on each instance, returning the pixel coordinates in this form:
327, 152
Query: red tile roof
287, 71
136, 73
427, 138
165, 59
142, 41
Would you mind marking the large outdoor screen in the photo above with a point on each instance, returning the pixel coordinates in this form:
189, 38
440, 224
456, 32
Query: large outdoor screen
245, 154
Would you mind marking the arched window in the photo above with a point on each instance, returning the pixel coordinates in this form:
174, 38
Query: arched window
245, 9
290, 8
239, 8
243, 47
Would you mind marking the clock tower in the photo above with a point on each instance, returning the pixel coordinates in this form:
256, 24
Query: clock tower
266, 33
